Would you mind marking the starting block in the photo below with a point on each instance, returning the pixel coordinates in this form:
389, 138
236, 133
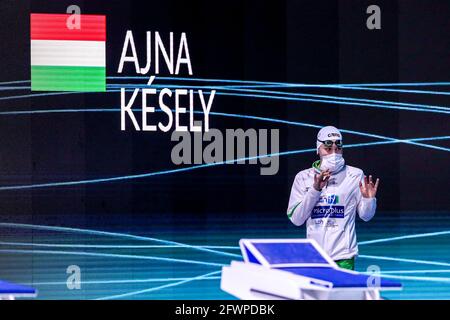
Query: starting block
296, 269
10, 291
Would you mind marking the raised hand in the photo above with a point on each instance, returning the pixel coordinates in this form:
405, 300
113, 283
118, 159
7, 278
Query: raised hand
321, 179
368, 188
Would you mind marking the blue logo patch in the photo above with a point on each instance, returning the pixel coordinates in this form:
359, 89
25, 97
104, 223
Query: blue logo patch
329, 199
327, 211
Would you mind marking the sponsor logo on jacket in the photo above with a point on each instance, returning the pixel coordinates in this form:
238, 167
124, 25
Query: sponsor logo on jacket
329, 199
327, 212
328, 207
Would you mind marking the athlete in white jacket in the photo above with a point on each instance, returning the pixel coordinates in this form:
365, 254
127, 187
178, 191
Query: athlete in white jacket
328, 196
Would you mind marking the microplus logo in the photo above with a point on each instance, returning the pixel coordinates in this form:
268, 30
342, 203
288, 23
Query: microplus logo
327, 212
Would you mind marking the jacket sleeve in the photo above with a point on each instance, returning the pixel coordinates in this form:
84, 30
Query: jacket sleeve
301, 201
366, 206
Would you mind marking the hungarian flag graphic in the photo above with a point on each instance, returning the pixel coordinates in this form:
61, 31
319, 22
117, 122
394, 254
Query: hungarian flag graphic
65, 57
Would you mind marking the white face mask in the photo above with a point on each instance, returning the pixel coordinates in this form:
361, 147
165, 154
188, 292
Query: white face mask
333, 162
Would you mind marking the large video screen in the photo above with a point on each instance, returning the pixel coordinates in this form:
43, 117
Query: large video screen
142, 140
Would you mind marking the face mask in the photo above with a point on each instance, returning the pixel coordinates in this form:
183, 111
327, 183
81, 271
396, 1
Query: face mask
334, 162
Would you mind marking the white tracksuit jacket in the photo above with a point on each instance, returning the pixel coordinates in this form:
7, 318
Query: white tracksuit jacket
330, 213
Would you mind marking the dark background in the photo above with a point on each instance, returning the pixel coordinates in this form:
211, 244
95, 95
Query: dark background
321, 42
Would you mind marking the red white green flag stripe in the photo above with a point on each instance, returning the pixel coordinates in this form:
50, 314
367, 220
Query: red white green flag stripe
64, 59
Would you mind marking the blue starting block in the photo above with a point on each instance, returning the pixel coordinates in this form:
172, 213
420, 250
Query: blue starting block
296, 269
10, 291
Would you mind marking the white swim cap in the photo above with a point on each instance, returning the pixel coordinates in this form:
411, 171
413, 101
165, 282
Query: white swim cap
327, 133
